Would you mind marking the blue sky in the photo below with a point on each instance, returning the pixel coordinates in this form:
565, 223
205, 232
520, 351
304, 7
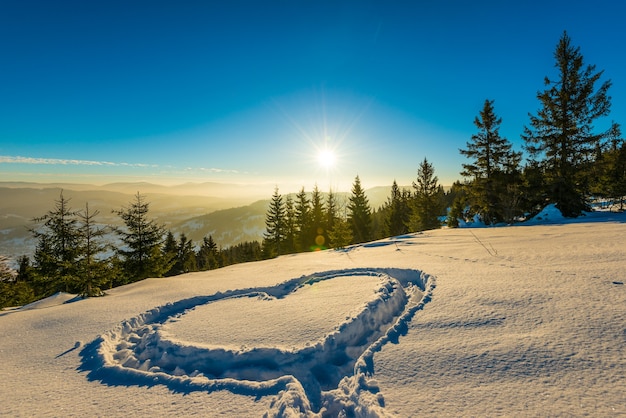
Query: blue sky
248, 92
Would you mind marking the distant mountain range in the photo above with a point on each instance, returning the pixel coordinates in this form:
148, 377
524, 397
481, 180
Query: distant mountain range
230, 213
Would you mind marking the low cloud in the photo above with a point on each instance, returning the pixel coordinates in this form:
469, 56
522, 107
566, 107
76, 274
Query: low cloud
4, 159
214, 170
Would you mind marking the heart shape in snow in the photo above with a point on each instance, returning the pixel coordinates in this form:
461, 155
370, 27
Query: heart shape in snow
330, 372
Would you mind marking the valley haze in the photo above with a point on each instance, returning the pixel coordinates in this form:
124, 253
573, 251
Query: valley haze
231, 213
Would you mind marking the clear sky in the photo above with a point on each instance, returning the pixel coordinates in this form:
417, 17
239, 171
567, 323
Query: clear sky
250, 91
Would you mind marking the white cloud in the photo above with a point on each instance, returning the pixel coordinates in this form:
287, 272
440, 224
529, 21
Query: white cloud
5, 159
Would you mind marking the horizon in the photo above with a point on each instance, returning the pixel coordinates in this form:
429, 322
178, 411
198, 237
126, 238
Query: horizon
287, 95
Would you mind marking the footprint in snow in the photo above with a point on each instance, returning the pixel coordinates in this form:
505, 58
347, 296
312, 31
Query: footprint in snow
329, 375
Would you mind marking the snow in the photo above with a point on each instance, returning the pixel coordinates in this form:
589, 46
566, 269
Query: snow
507, 321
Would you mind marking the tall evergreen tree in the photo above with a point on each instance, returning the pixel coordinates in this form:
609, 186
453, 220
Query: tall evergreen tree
142, 238
318, 238
185, 260
427, 199
332, 211
359, 214
341, 233
291, 230
398, 211
170, 251
561, 133
303, 220
93, 272
492, 164
58, 248
208, 254
274, 235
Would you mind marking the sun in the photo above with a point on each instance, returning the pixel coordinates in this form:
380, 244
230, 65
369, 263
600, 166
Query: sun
326, 158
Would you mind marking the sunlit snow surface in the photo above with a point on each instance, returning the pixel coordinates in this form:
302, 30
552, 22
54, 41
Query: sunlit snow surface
325, 373
523, 321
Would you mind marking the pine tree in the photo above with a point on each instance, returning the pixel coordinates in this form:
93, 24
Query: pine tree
142, 238
332, 211
493, 163
427, 199
185, 259
7, 274
13, 292
275, 226
318, 238
341, 233
303, 220
456, 200
25, 270
58, 248
291, 231
208, 254
398, 211
93, 273
611, 181
562, 131
359, 214
169, 249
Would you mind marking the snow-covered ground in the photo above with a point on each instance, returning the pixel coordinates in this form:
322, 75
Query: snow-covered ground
510, 321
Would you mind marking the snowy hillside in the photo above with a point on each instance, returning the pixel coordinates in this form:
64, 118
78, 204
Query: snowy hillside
512, 321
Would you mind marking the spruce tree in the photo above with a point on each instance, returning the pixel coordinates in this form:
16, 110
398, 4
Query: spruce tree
318, 238
611, 167
207, 256
169, 249
492, 165
398, 211
291, 231
58, 248
359, 214
427, 199
332, 211
275, 226
93, 272
341, 233
561, 135
142, 238
13, 292
303, 220
7, 274
185, 259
